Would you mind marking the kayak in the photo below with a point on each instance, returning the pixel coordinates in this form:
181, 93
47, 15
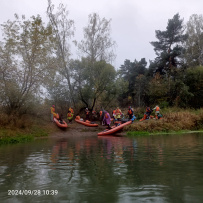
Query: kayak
114, 129
61, 125
87, 123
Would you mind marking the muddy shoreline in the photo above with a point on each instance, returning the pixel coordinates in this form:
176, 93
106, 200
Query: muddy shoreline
76, 129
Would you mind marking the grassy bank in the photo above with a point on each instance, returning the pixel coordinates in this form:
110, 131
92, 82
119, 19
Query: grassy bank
173, 121
20, 130
12, 136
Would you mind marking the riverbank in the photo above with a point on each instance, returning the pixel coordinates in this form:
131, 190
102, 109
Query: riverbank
172, 122
45, 129
144, 133
13, 136
181, 121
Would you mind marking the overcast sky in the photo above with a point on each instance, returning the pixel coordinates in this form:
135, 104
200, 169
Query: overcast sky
133, 21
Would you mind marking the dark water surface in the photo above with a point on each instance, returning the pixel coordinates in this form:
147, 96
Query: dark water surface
160, 168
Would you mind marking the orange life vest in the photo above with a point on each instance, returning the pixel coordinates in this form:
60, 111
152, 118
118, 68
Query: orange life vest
130, 112
157, 108
148, 109
106, 115
71, 110
78, 117
70, 115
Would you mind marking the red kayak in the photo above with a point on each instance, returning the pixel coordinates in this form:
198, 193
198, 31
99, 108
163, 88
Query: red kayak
59, 124
114, 129
87, 123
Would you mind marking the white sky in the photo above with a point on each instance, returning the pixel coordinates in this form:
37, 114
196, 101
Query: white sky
133, 21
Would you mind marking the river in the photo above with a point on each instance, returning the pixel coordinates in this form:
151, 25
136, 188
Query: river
91, 169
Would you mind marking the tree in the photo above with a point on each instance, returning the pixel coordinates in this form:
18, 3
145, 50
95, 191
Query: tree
130, 71
140, 89
157, 90
24, 58
169, 47
97, 44
63, 30
194, 80
93, 74
194, 42
180, 94
58, 93
89, 83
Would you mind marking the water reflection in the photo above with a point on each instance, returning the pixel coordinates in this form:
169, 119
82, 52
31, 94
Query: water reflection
105, 169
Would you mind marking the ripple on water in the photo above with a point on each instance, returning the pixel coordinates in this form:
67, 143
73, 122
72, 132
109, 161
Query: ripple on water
143, 193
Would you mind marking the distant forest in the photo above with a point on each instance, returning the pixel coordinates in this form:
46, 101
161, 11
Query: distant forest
36, 67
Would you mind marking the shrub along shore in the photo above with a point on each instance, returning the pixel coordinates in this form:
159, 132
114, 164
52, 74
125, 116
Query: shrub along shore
24, 129
174, 120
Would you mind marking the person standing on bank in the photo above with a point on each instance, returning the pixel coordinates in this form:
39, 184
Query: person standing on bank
106, 119
130, 112
157, 111
52, 113
87, 114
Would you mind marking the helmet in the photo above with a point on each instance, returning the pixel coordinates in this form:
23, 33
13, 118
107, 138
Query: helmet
53, 105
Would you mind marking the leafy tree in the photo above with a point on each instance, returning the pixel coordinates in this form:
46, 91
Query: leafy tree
122, 90
194, 80
59, 94
24, 58
90, 83
97, 44
194, 42
63, 30
179, 94
157, 90
140, 90
93, 74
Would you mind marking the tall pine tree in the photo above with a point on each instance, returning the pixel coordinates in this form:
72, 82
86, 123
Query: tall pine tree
169, 48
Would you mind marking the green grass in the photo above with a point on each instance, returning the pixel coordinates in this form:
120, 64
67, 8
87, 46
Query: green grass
145, 133
8, 136
137, 133
36, 131
16, 139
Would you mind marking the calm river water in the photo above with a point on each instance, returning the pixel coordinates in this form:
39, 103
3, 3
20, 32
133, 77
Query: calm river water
91, 169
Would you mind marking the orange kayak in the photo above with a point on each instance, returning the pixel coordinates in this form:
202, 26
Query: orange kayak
114, 129
87, 123
61, 125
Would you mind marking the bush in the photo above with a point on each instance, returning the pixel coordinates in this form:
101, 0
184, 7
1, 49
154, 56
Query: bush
173, 121
14, 121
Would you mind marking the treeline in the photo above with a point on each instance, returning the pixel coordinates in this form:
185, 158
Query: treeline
37, 68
